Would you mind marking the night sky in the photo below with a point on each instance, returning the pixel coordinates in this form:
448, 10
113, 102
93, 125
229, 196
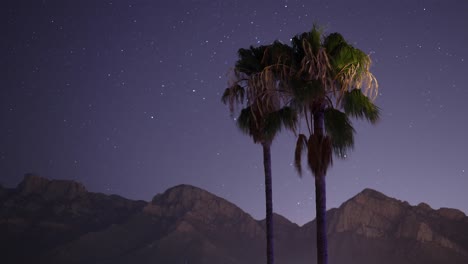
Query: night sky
124, 96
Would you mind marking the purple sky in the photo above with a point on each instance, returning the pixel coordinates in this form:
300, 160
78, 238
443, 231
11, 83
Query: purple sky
124, 96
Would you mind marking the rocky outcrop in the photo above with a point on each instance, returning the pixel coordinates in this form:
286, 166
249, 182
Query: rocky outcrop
183, 199
40, 214
424, 233
452, 214
374, 215
202, 209
50, 189
370, 214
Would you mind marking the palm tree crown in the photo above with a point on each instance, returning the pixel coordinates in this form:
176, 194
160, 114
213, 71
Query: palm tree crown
259, 74
332, 79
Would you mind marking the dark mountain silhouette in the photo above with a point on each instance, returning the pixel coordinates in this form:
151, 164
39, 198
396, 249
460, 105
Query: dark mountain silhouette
57, 221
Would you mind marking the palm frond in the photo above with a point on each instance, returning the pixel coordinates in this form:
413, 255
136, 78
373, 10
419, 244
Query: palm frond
233, 95
332, 42
250, 125
312, 60
245, 121
341, 132
357, 105
307, 92
265, 128
313, 38
250, 59
275, 121
288, 118
276, 53
301, 147
351, 67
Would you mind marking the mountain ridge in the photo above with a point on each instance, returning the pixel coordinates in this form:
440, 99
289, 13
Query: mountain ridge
186, 222
74, 188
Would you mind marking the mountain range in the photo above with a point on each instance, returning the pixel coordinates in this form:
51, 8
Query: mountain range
59, 221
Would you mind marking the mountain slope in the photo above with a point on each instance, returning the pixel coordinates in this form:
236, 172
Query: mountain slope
60, 222
372, 227
40, 214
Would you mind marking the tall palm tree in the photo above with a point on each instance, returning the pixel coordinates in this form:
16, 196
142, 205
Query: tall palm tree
326, 90
260, 72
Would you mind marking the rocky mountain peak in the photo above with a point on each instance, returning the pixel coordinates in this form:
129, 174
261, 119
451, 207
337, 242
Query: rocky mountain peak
199, 207
369, 213
184, 192
450, 213
183, 199
424, 207
372, 193
50, 189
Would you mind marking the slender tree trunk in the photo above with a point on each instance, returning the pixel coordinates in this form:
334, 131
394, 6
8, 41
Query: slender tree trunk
321, 210
320, 198
319, 122
269, 202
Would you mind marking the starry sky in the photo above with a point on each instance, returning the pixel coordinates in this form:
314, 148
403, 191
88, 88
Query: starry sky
124, 96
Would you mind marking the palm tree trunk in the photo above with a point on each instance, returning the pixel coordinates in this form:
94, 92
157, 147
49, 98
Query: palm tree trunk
320, 209
320, 198
269, 201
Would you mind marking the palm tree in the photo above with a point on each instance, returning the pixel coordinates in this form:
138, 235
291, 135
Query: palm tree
260, 72
327, 91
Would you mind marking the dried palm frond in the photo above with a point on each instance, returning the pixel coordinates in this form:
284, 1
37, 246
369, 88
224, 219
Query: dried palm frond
319, 154
301, 147
233, 95
357, 76
351, 67
316, 66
